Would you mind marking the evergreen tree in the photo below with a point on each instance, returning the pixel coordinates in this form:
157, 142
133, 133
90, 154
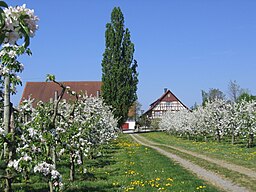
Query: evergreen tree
119, 74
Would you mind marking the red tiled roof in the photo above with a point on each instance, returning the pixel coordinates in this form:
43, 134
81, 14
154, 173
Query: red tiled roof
44, 91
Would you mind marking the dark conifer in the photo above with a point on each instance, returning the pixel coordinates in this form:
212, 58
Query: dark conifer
119, 69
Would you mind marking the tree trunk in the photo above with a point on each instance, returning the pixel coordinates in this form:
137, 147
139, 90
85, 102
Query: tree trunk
8, 182
233, 137
54, 157
7, 104
6, 112
12, 147
8, 185
250, 141
218, 135
188, 136
72, 167
205, 138
51, 186
82, 161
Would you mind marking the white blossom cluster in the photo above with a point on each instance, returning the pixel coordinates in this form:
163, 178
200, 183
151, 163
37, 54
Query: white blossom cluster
26, 106
9, 65
44, 168
218, 118
19, 22
91, 125
15, 17
48, 171
8, 56
80, 128
18, 165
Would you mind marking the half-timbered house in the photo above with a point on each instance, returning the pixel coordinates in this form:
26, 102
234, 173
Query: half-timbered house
168, 101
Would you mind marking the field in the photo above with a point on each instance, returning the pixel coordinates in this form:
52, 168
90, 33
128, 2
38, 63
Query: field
233, 154
125, 166
237, 154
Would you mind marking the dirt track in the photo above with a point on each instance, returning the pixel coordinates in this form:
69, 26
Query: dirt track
202, 173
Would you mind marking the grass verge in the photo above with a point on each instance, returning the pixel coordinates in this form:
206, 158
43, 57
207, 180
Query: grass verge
126, 166
235, 154
240, 179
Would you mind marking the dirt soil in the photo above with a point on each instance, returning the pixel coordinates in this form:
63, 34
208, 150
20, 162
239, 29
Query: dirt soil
202, 173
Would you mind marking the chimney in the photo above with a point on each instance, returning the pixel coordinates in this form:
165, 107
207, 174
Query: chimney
165, 90
55, 95
98, 93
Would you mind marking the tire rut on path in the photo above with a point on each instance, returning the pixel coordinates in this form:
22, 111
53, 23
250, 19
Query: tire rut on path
240, 169
202, 173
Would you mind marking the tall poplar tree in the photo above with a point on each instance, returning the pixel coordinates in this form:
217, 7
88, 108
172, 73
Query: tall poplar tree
119, 74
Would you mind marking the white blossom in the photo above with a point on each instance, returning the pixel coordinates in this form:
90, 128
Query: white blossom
44, 168
12, 16
32, 132
2, 132
15, 165
217, 118
61, 151
26, 158
55, 174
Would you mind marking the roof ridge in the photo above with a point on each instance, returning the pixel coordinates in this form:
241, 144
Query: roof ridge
62, 81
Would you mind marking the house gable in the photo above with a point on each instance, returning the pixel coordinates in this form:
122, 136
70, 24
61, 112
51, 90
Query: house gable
168, 101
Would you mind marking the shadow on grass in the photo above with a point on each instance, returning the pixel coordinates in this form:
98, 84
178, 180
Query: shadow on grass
88, 177
84, 181
31, 188
102, 188
100, 163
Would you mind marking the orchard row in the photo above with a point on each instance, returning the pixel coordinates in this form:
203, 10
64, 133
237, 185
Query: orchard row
218, 119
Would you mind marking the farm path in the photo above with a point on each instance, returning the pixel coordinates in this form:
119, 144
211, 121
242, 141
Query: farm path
202, 173
240, 169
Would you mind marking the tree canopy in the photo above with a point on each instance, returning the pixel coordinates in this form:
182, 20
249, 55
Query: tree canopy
119, 68
212, 95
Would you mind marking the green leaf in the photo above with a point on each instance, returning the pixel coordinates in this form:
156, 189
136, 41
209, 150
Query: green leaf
28, 51
2, 164
1, 39
50, 77
1, 12
25, 31
27, 41
3, 4
1, 18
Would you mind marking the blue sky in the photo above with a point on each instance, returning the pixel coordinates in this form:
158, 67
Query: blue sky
183, 45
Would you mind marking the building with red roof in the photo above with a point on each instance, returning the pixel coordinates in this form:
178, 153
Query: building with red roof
168, 101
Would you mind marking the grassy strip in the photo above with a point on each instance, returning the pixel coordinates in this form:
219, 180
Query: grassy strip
226, 173
126, 166
235, 154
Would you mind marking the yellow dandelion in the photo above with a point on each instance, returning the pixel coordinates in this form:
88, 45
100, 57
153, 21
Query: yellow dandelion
168, 184
170, 179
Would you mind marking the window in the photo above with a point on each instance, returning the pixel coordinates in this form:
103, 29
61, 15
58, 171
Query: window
157, 113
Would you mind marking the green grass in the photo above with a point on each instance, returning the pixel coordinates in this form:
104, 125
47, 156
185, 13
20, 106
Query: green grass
237, 154
125, 166
231, 175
